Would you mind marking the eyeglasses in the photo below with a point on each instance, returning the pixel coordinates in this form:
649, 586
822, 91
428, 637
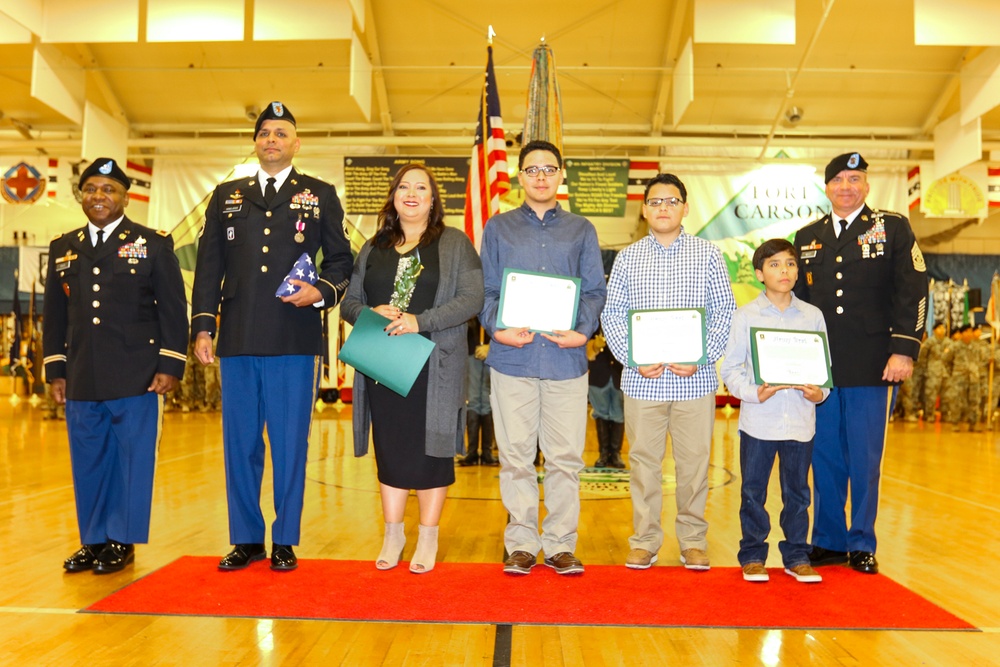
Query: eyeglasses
548, 170
657, 202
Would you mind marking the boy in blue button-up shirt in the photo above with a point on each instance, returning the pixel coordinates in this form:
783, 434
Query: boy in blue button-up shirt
774, 420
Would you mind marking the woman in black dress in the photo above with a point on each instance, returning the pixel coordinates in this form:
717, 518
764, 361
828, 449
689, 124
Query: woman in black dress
426, 279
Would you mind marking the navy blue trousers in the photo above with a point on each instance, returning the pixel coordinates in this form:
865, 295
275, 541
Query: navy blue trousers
850, 437
112, 447
276, 393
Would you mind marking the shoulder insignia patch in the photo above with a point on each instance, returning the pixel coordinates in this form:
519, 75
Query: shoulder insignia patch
918, 259
162, 232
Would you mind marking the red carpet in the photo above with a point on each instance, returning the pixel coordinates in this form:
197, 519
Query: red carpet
482, 593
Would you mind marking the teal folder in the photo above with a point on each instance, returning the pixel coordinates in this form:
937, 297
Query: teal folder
394, 361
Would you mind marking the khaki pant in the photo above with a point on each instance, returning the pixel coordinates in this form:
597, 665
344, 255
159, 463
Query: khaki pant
553, 414
689, 424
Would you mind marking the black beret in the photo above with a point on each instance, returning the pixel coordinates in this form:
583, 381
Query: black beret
852, 161
105, 166
273, 111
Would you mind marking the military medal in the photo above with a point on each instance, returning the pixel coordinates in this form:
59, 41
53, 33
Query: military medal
304, 201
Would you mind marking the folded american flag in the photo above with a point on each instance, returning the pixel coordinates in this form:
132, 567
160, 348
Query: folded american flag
302, 270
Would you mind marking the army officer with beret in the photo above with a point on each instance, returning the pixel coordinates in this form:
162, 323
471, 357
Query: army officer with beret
255, 230
115, 341
861, 267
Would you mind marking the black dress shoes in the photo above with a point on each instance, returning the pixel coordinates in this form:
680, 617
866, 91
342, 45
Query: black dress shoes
114, 557
864, 562
283, 558
84, 559
820, 556
242, 555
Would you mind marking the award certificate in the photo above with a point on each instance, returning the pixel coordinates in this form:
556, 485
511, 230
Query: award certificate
540, 301
790, 357
668, 336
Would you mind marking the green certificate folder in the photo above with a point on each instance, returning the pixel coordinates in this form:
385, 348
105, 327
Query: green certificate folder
789, 357
543, 302
394, 361
666, 336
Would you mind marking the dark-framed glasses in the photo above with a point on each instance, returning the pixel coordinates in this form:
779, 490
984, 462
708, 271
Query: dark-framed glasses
657, 202
548, 170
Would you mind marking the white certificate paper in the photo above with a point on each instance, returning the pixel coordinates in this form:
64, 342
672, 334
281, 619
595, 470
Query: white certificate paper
672, 336
790, 357
542, 302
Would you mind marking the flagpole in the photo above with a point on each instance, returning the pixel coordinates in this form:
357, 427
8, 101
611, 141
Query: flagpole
487, 127
488, 175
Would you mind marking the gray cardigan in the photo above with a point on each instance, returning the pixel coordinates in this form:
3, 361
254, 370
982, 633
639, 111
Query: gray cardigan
459, 297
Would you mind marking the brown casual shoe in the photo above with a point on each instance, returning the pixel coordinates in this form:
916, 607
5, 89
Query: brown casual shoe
640, 559
565, 563
520, 562
804, 574
755, 572
695, 559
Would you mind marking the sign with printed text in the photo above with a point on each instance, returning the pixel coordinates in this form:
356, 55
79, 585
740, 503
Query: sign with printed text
597, 188
367, 180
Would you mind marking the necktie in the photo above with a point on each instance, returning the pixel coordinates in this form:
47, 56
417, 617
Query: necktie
270, 190
100, 238
840, 226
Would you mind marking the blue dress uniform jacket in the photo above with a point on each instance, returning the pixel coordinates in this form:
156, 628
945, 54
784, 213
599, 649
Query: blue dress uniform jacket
245, 251
871, 285
114, 316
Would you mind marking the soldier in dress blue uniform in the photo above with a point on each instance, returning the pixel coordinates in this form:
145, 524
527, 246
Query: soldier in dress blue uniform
864, 270
255, 230
115, 340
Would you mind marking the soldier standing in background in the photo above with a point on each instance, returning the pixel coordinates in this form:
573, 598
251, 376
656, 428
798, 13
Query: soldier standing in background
938, 358
912, 389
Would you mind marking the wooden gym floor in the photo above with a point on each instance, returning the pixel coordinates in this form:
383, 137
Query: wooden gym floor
939, 535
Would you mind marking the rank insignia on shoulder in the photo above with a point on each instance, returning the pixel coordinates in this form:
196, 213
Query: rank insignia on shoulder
918, 258
161, 232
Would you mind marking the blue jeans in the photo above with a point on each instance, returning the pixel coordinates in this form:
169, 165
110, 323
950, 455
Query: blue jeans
607, 402
479, 386
756, 461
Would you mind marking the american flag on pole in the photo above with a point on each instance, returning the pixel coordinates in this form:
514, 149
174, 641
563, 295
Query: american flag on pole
488, 178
